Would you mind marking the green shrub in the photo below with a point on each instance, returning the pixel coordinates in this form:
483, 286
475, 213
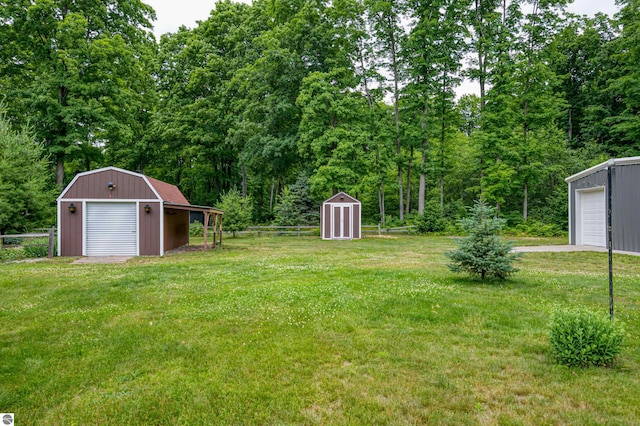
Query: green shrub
534, 228
431, 220
9, 254
35, 251
581, 338
237, 211
196, 229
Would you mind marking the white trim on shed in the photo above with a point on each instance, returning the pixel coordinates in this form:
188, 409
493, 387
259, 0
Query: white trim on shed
341, 218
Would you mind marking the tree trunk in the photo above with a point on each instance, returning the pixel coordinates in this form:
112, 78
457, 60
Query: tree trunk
396, 94
381, 202
423, 160
59, 170
525, 202
441, 191
408, 205
443, 129
273, 187
244, 180
481, 58
421, 190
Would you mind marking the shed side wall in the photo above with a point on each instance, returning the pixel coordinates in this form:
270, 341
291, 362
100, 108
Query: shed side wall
149, 229
94, 186
326, 226
626, 208
70, 230
356, 221
176, 228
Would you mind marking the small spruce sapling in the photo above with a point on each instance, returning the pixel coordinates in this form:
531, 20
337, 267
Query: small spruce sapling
483, 253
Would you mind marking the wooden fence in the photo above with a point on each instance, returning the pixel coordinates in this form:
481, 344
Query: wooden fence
300, 230
51, 235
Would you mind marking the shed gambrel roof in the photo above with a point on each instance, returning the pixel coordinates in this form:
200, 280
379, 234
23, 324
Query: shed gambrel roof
167, 192
342, 197
164, 191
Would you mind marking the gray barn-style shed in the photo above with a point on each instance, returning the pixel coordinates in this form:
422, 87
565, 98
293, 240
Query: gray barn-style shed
116, 212
588, 205
340, 218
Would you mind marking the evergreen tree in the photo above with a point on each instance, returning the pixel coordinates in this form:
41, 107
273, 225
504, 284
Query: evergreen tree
26, 200
483, 253
237, 211
296, 206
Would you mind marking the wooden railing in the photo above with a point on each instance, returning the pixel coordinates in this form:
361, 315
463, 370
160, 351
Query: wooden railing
300, 230
51, 235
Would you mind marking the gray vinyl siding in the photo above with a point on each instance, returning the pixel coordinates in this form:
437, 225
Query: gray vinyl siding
626, 204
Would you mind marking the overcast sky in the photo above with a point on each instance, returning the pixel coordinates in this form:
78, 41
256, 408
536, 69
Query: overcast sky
172, 14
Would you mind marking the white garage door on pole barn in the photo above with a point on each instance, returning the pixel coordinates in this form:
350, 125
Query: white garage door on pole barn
111, 229
594, 216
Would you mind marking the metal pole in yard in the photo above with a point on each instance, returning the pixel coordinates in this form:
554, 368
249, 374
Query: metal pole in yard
609, 235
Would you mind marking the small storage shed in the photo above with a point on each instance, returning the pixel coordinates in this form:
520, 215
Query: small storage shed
116, 212
588, 205
340, 218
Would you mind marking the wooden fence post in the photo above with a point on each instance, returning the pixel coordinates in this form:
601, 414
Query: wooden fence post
298, 230
220, 230
52, 233
378, 229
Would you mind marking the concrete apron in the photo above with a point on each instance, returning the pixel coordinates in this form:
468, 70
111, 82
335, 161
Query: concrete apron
568, 248
101, 259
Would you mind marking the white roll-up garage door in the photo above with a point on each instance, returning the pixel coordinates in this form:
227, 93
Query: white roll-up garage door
594, 217
111, 229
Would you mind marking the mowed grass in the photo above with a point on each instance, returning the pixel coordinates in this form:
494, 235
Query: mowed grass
303, 331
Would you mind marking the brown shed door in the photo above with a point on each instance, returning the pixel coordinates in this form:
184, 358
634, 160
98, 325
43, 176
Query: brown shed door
342, 222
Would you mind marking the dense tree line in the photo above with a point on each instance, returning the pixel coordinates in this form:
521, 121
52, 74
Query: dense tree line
288, 102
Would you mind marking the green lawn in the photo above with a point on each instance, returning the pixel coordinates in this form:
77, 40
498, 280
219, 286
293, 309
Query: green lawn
303, 331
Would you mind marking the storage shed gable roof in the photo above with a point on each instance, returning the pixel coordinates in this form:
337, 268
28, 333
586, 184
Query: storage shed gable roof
602, 166
342, 197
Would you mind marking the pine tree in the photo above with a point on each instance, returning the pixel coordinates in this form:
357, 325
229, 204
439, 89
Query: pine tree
483, 253
26, 198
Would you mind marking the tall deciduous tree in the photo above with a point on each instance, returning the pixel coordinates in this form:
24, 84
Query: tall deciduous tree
333, 132
434, 52
82, 69
193, 129
625, 82
386, 21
